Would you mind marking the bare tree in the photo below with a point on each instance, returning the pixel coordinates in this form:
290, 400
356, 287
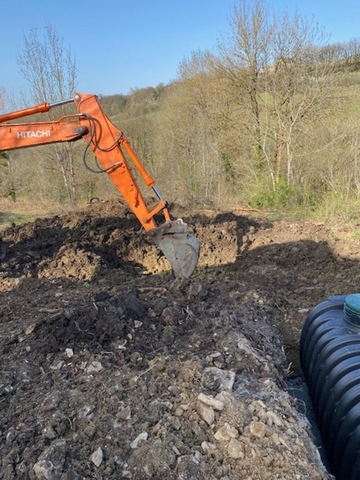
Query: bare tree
51, 73
49, 69
2, 99
188, 134
244, 56
278, 80
299, 90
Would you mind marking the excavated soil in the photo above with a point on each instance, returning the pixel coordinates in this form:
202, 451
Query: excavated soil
111, 369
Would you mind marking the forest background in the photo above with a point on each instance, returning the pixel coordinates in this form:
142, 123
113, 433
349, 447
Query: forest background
269, 120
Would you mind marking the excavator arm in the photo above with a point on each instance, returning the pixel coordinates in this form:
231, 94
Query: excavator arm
112, 151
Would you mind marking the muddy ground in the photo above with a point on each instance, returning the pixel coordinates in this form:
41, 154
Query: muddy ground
111, 370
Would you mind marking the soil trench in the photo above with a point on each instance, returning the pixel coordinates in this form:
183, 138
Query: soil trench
112, 369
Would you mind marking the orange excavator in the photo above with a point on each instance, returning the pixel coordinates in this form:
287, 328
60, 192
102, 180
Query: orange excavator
113, 152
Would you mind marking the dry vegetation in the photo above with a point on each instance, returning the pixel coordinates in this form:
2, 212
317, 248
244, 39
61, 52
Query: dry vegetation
271, 123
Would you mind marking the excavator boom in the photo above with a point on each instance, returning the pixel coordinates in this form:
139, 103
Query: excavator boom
112, 151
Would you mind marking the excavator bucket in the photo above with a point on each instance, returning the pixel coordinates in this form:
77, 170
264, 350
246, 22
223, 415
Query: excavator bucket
179, 247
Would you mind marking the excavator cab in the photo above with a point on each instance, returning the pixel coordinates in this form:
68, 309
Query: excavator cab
114, 154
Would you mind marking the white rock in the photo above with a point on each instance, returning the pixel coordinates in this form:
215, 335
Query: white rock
226, 432
94, 367
235, 449
97, 457
211, 401
30, 328
57, 365
208, 448
176, 450
206, 414
272, 418
257, 429
69, 352
140, 438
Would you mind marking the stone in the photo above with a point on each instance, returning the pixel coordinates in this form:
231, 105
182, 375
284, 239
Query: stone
235, 449
142, 437
211, 401
217, 379
97, 457
51, 462
206, 413
226, 432
257, 429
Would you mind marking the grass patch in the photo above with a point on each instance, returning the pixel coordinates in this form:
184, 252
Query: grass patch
19, 213
9, 218
355, 234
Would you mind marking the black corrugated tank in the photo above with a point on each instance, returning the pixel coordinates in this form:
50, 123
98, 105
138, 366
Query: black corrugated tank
330, 359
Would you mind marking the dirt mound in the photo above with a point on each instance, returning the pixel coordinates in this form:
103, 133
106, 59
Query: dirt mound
110, 369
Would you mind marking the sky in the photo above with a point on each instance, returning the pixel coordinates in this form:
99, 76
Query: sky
122, 45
